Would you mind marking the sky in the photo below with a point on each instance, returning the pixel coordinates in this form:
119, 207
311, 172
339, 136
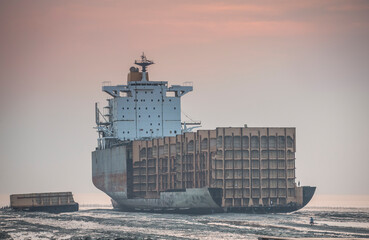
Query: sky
302, 64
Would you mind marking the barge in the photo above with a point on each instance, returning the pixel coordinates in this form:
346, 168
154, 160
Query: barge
53, 202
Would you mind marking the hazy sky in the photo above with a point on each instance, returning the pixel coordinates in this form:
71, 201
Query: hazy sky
302, 64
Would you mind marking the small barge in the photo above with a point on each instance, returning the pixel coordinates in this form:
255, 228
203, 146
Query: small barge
53, 202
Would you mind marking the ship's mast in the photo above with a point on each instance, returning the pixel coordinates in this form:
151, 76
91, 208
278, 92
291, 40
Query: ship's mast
143, 63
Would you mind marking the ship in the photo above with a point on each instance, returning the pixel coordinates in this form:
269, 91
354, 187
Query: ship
147, 159
52, 202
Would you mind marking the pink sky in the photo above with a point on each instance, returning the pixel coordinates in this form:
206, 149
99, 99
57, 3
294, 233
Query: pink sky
303, 64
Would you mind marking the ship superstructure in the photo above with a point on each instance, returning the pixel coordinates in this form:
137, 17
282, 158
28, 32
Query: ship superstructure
142, 108
145, 161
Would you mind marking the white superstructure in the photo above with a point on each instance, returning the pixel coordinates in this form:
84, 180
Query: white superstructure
142, 108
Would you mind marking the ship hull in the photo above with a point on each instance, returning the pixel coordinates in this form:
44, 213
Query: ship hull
114, 173
200, 201
195, 200
51, 209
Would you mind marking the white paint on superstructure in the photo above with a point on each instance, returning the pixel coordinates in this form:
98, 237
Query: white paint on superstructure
144, 109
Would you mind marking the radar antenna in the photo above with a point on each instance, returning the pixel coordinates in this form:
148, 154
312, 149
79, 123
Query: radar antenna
143, 62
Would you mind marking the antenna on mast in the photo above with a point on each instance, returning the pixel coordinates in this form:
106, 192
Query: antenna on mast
143, 62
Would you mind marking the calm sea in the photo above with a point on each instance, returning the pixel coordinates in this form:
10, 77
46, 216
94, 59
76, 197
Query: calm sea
335, 216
